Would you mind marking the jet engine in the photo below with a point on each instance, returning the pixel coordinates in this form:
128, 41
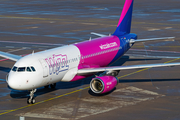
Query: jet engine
103, 84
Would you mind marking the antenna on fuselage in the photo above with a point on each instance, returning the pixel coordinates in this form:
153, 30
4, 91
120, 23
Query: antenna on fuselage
33, 52
90, 39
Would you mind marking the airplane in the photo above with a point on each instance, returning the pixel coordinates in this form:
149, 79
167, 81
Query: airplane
79, 60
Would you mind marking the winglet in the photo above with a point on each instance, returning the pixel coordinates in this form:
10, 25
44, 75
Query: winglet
124, 25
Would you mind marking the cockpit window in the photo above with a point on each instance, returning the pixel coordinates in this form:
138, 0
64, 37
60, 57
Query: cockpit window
28, 69
33, 69
21, 69
14, 68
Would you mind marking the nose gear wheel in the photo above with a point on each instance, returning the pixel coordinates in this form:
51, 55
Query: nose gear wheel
31, 99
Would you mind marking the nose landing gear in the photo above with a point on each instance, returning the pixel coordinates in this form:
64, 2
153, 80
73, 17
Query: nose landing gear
31, 99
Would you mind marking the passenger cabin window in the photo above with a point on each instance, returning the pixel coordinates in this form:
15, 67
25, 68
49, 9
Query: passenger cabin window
28, 69
21, 69
14, 68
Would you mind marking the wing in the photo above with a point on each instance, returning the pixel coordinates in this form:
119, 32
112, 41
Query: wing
115, 68
10, 56
100, 35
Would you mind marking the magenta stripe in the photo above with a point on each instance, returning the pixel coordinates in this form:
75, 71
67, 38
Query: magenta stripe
94, 51
3, 60
97, 50
125, 9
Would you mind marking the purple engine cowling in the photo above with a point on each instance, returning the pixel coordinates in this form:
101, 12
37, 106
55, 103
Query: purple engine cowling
103, 84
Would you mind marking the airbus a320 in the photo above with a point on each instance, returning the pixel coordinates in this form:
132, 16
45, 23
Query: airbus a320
77, 61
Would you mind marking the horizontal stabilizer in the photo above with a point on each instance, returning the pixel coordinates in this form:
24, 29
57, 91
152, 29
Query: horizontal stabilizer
100, 35
114, 68
150, 56
10, 56
150, 39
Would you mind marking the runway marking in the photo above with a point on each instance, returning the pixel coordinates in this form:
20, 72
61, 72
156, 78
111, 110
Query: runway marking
74, 91
23, 48
95, 105
10, 46
168, 27
153, 29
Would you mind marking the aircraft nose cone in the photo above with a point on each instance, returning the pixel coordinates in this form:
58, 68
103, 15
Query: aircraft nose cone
19, 82
12, 82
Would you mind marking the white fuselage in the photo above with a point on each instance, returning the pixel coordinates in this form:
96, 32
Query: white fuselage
51, 66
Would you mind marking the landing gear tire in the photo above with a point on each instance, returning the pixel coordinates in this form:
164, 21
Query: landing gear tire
53, 86
31, 99
46, 87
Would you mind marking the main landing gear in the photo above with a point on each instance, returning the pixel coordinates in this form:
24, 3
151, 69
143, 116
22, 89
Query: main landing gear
53, 86
31, 99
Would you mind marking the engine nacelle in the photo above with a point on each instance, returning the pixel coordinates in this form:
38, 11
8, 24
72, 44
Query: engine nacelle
103, 84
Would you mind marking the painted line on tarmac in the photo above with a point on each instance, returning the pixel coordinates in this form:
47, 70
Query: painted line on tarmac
30, 43
23, 48
67, 20
8, 111
3, 80
3, 60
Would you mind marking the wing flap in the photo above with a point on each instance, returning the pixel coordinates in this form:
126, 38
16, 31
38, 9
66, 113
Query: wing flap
10, 56
114, 68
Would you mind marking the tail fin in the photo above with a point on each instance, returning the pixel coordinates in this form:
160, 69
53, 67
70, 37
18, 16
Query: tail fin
124, 25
